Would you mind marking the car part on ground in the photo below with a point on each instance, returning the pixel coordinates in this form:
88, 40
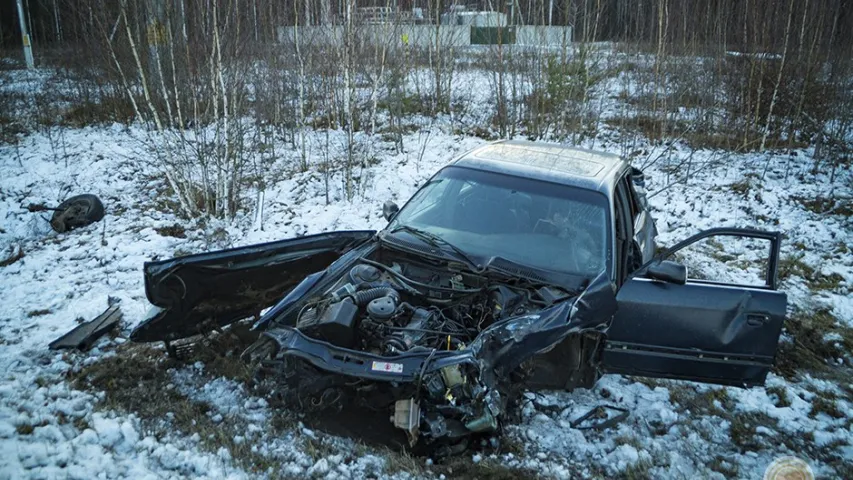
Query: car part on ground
75, 212
83, 336
16, 252
602, 416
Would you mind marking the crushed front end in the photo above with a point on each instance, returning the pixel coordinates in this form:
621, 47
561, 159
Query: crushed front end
442, 352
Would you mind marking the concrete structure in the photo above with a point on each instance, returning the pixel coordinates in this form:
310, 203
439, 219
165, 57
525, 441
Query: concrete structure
421, 36
474, 19
539, 35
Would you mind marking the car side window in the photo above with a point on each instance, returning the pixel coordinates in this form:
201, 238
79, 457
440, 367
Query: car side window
725, 259
730, 256
624, 231
633, 204
638, 190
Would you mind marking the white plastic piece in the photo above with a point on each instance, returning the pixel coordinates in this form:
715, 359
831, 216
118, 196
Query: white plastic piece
407, 415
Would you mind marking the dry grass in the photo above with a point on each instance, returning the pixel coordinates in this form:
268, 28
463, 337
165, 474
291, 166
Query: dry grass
825, 405
724, 466
464, 468
791, 266
780, 393
176, 230
809, 350
87, 113
743, 429
220, 353
713, 401
402, 461
827, 206
29, 428
637, 471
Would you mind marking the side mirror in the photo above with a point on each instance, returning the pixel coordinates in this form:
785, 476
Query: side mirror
389, 209
668, 271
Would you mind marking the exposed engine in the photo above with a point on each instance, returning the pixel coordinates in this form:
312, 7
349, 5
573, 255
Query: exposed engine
404, 307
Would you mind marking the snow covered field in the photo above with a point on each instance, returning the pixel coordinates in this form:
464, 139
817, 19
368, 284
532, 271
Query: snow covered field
50, 429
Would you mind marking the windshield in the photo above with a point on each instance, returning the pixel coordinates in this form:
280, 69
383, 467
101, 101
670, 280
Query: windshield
540, 224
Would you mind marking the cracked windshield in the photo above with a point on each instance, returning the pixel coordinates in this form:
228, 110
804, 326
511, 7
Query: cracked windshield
540, 224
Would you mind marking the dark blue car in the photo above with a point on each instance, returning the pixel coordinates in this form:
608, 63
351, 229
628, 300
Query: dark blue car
518, 265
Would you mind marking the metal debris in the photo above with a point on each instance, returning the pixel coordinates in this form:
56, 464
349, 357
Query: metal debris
84, 335
15, 253
600, 412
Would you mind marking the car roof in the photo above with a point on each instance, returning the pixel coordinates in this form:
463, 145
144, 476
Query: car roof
550, 162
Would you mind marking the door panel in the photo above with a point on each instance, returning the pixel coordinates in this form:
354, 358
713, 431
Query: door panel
200, 292
695, 331
703, 331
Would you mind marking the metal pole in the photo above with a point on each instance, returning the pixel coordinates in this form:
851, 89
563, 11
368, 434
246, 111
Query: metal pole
28, 48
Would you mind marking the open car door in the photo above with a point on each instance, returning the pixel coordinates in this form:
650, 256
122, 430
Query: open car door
199, 293
671, 326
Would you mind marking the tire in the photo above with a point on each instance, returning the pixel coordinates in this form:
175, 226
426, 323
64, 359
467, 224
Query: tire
77, 211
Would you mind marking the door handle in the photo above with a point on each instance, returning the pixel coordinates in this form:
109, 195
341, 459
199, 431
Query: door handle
757, 319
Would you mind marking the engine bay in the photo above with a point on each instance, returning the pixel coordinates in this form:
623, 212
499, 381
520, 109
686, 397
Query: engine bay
426, 341
401, 305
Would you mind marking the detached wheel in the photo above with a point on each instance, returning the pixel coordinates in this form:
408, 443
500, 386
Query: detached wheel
77, 211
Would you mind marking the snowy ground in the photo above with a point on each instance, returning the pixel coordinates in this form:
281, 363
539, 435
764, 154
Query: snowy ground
49, 429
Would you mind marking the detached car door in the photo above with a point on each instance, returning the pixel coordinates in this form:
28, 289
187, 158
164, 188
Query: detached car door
671, 326
198, 293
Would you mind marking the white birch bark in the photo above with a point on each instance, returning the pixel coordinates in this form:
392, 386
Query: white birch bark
775, 93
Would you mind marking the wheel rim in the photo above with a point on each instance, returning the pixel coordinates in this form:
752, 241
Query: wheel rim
77, 211
72, 216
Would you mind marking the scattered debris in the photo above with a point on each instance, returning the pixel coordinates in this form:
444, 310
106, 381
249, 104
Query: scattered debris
38, 207
77, 211
600, 412
175, 230
15, 253
84, 335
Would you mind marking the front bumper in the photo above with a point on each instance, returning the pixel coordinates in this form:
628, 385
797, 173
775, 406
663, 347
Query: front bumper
406, 367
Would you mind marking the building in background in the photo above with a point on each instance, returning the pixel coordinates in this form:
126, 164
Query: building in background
464, 17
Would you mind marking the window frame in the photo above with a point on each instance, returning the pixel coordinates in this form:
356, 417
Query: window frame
624, 225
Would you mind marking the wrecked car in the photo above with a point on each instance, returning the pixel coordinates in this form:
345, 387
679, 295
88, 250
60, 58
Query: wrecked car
517, 266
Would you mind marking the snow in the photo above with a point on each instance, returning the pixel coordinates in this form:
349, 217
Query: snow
110, 445
66, 277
